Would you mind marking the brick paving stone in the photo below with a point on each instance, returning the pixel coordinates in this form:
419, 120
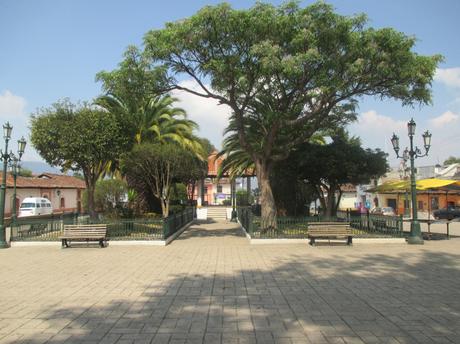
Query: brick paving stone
212, 286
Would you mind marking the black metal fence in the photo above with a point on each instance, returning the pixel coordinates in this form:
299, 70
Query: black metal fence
50, 229
176, 221
297, 227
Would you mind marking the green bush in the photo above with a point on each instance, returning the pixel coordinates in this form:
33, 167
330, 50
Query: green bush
242, 198
174, 209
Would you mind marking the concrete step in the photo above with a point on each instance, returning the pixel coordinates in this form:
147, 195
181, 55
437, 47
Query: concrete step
217, 213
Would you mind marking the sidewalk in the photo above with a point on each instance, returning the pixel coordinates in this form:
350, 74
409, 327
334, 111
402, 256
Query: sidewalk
211, 286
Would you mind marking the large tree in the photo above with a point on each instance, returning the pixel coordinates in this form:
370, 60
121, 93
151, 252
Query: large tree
78, 138
287, 72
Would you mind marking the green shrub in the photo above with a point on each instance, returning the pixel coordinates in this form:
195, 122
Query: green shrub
242, 198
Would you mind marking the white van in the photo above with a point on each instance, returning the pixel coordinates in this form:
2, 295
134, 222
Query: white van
33, 206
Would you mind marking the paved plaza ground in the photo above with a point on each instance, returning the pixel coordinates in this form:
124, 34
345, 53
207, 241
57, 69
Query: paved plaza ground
211, 286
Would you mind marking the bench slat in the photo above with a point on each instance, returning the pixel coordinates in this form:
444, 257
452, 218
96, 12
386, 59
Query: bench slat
329, 230
91, 232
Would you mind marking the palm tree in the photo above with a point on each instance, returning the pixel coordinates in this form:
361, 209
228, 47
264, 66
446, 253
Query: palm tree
153, 120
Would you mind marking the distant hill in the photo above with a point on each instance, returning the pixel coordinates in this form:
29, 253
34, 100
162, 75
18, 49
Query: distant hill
38, 167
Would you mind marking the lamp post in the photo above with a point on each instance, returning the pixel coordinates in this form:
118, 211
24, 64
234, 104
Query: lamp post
15, 169
415, 236
403, 169
233, 190
6, 158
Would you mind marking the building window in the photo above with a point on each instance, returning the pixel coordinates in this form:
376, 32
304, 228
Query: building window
406, 204
46, 196
420, 205
219, 188
62, 202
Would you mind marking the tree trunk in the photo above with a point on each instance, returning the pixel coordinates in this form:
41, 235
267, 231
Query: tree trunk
330, 210
337, 203
165, 207
92, 212
267, 200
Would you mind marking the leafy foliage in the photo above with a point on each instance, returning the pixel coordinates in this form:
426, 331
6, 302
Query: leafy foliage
329, 167
451, 160
287, 72
157, 167
78, 138
133, 79
243, 198
25, 172
109, 196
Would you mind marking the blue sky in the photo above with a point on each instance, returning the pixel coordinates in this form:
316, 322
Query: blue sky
52, 49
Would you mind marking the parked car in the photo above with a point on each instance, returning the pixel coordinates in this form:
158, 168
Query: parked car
387, 211
32, 206
448, 213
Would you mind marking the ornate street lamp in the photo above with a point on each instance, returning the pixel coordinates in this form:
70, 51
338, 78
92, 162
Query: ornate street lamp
12, 159
403, 169
415, 236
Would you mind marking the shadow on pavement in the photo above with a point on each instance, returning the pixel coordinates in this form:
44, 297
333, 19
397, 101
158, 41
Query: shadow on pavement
370, 299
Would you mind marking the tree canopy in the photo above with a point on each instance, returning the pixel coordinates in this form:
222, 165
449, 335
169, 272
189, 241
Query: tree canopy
287, 72
329, 167
158, 166
451, 160
78, 138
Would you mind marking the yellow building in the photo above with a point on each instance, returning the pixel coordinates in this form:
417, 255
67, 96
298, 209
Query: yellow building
432, 194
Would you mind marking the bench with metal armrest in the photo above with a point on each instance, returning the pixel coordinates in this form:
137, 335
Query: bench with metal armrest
329, 230
84, 233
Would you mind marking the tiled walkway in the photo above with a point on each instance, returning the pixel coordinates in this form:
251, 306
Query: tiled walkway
211, 286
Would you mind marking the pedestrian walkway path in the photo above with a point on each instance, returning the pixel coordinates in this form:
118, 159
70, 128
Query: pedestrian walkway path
211, 286
209, 233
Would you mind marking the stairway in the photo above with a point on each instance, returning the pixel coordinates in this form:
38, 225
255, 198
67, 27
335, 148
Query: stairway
217, 213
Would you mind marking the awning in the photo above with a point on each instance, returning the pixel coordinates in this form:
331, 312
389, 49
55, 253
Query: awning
431, 184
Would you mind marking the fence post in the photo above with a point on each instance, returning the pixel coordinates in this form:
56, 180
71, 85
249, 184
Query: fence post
401, 225
368, 221
165, 228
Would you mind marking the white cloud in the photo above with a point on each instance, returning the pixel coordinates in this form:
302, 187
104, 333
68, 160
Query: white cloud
13, 110
375, 130
210, 116
446, 118
371, 120
11, 106
448, 76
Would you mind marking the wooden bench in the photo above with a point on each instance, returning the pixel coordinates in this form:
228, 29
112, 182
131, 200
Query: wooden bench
329, 230
85, 233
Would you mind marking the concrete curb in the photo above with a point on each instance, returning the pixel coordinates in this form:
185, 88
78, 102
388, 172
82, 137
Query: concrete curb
244, 230
379, 241
111, 242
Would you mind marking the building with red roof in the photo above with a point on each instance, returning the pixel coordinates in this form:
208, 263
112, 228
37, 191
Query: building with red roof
63, 191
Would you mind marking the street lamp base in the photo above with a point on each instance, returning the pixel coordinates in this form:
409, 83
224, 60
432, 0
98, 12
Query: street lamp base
415, 237
234, 216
